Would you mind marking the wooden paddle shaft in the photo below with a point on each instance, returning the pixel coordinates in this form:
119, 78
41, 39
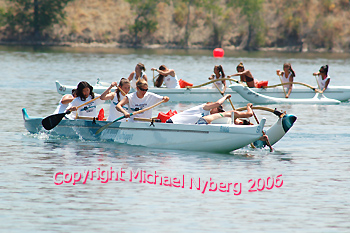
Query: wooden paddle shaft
88, 102
223, 95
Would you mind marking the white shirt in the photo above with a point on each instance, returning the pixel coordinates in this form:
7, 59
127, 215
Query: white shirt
190, 116
89, 110
171, 82
136, 104
113, 112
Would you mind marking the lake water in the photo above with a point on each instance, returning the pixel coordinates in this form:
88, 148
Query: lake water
307, 176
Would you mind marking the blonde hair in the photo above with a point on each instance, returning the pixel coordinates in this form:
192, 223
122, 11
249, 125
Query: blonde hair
140, 82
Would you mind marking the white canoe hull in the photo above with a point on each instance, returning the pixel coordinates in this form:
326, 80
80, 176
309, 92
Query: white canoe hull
210, 138
207, 94
213, 138
257, 98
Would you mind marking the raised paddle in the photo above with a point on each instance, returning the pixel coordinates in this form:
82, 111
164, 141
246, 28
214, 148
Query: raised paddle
267, 140
52, 121
131, 114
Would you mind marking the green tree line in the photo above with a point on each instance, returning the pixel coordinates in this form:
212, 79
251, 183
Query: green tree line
248, 24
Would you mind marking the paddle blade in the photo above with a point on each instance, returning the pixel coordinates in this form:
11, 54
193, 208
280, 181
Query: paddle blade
107, 125
50, 122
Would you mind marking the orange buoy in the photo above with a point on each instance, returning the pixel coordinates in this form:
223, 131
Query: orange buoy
218, 52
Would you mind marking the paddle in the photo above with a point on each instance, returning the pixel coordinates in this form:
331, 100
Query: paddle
303, 84
318, 84
212, 81
267, 140
52, 121
131, 114
223, 94
285, 94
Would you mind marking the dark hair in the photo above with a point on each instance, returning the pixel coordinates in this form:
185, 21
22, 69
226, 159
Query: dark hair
74, 91
122, 82
221, 70
220, 108
159, 80
81, 86
290, 68
325, 68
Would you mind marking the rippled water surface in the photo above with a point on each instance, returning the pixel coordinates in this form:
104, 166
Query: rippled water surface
312, 160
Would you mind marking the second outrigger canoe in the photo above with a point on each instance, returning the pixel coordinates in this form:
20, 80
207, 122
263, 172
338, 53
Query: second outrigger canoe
257, 98
210, 138
207, 94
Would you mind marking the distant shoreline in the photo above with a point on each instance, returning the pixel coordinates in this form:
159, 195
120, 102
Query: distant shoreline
293, 49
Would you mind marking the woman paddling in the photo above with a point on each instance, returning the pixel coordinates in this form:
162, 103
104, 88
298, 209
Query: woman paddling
84, 94
323, 78
246, 75
218, 74
287, 75
115, 98
167, 76
138, 73
139, 100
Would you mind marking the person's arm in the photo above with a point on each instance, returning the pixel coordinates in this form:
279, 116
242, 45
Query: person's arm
247, 114
120, 105
216, 104
291, 79
131, 76
165, 73
211, 77
67, 99
326, 85
145, 77
107, 95
316, 73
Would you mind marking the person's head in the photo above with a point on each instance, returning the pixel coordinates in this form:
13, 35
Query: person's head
84, 89
124, 84
219, 70
217, 110
160, 79
142, 86
324, 69
287, 68
140, 67
240, 67
74, 92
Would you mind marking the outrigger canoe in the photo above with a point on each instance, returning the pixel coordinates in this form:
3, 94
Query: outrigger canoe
257, 98
207, 94
212, 138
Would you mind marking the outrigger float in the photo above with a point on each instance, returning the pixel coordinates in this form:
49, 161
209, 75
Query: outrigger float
200, 93
257, 98
220, 137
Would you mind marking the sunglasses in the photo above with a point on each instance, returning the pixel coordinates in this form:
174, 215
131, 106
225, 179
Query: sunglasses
141, 89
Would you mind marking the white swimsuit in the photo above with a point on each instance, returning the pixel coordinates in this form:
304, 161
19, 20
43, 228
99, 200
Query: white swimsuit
286, 80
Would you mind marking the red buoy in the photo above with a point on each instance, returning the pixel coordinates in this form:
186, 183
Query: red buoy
218, 52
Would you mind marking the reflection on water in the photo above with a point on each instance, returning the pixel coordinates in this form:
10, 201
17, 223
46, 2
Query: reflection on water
312, 158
